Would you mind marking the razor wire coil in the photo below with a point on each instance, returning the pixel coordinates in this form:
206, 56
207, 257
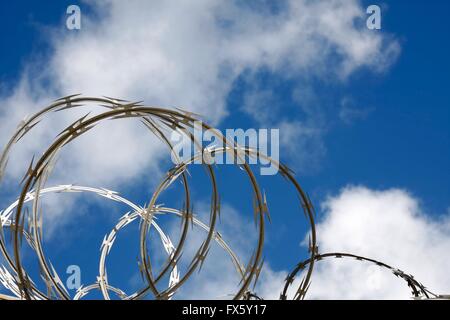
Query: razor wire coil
160, 122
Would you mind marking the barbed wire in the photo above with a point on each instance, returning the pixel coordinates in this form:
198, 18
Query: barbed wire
418, 290
161, 122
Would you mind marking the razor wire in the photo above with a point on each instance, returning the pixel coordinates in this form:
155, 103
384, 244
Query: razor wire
161, 122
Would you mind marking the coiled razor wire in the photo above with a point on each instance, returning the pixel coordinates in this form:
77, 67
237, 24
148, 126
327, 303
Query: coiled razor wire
161, 122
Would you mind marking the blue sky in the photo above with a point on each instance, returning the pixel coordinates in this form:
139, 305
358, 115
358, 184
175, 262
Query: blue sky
379, 129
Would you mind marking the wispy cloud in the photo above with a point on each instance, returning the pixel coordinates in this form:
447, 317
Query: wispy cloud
182, 53
349, 112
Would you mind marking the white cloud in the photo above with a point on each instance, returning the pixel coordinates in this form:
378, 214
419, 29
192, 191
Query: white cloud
180, 53
389, 226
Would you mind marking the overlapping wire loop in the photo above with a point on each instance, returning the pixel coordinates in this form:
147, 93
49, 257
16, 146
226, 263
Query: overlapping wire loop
161, 123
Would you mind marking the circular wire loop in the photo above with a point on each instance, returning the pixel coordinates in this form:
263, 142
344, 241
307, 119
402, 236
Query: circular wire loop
161, 122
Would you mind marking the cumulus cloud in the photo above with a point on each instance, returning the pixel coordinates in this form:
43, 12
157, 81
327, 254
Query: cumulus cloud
389, 226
